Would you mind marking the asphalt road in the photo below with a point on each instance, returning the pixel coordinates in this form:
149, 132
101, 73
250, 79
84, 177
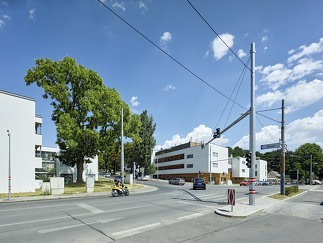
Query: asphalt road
172, 213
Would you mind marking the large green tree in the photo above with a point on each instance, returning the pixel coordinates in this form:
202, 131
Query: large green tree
143, 147
86, 112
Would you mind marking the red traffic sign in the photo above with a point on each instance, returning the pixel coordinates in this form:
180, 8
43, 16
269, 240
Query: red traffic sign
231, 196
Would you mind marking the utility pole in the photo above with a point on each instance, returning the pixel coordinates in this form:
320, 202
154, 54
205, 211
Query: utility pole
9, 182
134, 176
122, 153
282, 178
252, 129
311, 172
210, 166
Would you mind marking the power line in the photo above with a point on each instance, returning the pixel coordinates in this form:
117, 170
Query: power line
225, 107
266, 130
167, 54
236, 93
218, 35
274, 109
268, 118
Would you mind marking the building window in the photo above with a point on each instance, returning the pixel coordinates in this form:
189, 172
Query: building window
156, 160
189, 156
243, 170
230, 170
243, 162
171, 167
265, 167
256, 174
215, 165
171, 158
256, 166
215, 154
189, 166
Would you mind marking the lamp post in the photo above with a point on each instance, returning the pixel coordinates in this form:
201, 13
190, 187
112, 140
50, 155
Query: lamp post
9, 188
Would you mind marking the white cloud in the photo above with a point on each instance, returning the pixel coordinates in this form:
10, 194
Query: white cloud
278, 75
4, 3
307, 50
219, 48
265, 136
2, 24
6, 17
298, 132
306, 130
32, 13
134, 102
241, 53
246, 34
207, 53
291, 51
169, 87
296, 97
265, 48
142, 5
119, 5
230, 58
264, 38
166, 37
199, 134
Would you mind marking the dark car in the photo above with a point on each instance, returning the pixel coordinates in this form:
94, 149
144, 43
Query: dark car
199, 183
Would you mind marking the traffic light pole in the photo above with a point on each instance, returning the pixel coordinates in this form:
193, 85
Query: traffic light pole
122, 153
282, 178
252, 131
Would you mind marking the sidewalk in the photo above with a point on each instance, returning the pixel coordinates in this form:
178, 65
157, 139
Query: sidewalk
243, 209
145, 189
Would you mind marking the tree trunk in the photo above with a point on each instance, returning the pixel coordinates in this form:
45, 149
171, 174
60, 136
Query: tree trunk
80, 171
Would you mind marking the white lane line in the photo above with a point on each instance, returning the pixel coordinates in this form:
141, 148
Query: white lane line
194, 215
78, 215
75, 225
137, 230
51, 206
90, 208
197, 204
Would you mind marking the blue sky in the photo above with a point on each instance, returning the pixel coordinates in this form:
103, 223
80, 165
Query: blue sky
289, 44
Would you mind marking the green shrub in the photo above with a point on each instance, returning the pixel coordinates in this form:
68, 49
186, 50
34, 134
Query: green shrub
294, 188
288, 191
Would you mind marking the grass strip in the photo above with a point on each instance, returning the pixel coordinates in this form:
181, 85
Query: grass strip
282, 197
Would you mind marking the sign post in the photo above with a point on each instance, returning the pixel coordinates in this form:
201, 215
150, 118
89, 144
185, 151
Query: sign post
231, 198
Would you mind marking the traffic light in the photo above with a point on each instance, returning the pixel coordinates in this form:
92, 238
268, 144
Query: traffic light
217, 133
248, 158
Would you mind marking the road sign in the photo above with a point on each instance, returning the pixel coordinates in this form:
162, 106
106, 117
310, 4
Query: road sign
231, 197
270, 146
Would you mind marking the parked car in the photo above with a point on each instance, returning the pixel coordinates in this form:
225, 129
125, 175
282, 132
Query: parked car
317, 182
266, 183
244, 183
107, 174
177, 181
199, 183
145, 178
258, 183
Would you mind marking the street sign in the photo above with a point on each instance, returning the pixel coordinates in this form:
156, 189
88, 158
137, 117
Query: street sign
231, 198
270, 146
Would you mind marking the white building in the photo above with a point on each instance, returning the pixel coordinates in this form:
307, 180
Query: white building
191, 160
19, 118
70, 173
240, 171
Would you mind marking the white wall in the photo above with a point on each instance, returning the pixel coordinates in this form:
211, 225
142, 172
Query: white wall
239, 168
261, 170
17, 116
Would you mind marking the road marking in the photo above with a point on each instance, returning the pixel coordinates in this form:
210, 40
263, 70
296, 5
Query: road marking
194, 215
75, 225
90, 208
78, 215
51, 206
135, 230
202, 205
214, 196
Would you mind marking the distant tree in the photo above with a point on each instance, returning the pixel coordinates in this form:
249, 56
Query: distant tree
238, 152
303, 155
151, 169
143, 147
273, 160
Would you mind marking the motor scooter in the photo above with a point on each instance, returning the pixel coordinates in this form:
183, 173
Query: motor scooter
119, 190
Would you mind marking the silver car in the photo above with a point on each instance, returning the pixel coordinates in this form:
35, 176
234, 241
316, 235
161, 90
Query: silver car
177, 181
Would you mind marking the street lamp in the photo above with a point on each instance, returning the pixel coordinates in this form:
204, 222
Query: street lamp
9, 188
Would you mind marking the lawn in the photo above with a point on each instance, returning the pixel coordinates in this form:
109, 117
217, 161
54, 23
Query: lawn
282, 197
103, 185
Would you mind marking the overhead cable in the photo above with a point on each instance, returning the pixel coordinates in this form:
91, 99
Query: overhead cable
167, 54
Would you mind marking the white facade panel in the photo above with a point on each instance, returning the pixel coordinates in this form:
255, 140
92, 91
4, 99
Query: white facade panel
38, 139
38, 162
17, 116
261, 168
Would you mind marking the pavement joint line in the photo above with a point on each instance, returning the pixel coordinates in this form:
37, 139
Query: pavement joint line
194, 215
136, 230
90, 208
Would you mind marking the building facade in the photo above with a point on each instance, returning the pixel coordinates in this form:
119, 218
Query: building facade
50, 159
191, 160
19, 119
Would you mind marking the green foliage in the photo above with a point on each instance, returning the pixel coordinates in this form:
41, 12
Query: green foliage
151, 169
290, 190
143, 146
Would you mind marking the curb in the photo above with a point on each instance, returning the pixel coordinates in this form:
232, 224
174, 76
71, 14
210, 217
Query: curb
71, 196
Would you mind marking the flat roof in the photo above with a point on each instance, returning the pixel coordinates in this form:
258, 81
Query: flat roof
16, 95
